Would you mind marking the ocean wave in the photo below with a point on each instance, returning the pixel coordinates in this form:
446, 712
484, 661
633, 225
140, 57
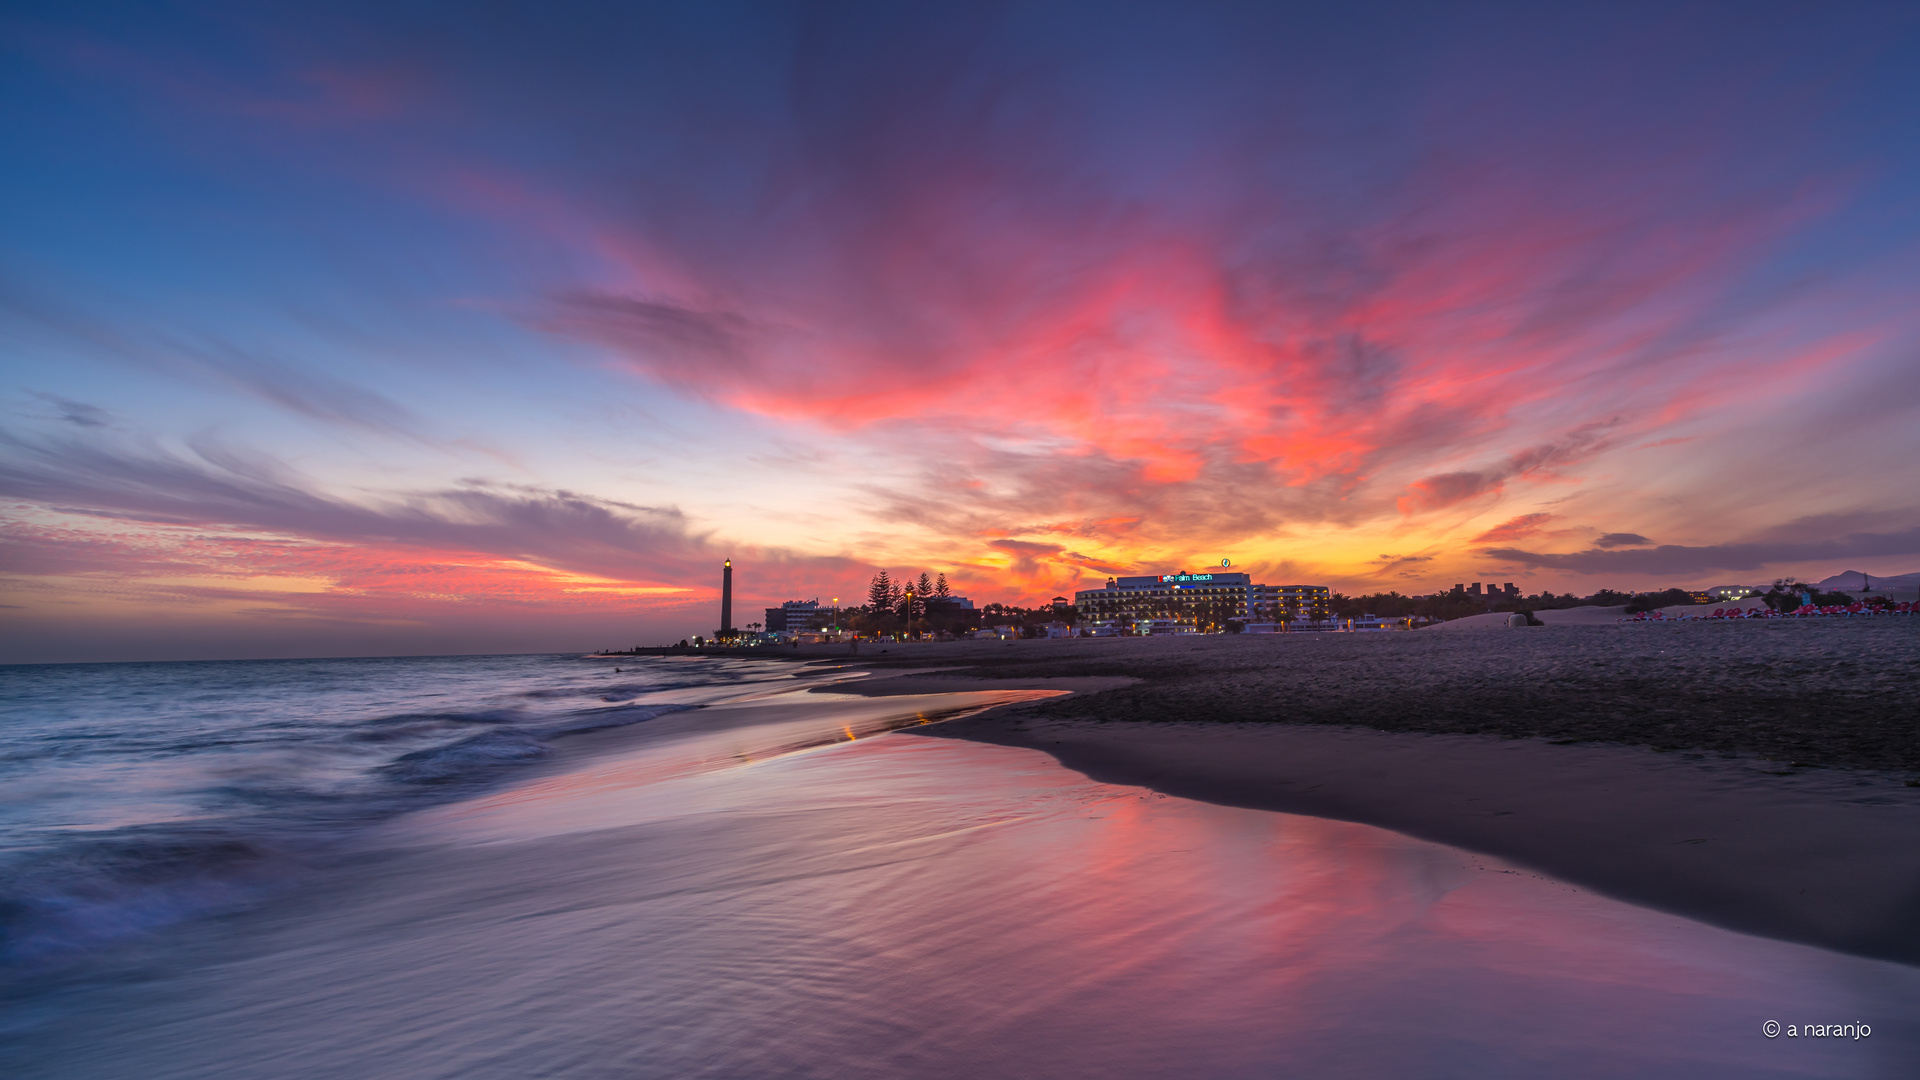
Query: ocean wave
415, 725
601, 719
460, 761
98, 889
472, 758
634, 688
239, 776
79, 891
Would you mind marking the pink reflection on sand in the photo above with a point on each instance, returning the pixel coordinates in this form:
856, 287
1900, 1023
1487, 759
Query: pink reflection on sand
904, 906
932, 908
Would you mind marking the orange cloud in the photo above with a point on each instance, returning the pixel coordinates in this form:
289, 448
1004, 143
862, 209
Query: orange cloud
1514, 529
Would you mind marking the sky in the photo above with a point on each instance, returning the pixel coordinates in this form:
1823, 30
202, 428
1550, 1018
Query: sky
393, 328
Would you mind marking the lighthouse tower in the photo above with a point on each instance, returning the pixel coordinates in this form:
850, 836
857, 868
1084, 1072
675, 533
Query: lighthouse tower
726, 601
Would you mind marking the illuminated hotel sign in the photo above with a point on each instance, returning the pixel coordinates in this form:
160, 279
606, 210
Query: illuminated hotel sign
1186, 577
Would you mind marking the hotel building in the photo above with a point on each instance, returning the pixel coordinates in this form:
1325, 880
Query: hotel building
798, 616
1302, 601
1191, 603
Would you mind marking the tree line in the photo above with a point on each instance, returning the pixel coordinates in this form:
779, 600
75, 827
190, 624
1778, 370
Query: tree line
910, 605
1784, 595
922, 604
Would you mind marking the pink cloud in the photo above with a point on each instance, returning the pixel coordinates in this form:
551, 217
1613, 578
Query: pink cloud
1514, 529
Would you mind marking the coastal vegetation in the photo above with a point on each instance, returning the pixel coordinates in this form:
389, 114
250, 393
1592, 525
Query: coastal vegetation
1441, 606
1785, 594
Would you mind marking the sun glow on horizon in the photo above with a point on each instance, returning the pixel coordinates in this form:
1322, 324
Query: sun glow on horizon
972, 294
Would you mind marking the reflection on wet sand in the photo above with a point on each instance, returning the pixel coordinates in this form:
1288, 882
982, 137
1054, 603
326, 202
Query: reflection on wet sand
713, 904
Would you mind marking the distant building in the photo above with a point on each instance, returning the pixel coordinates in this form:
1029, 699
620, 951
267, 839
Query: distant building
1191, 603
798, 616
1301, 599
1732, 592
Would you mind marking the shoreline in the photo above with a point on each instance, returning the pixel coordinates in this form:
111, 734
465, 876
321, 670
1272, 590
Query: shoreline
1553, 779
1823, 857
1715, 771
718, 886
1830, 859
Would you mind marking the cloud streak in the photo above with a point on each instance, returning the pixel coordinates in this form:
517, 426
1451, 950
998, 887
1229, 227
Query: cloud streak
1515, 529
1041, 293
1668, 560
219, 488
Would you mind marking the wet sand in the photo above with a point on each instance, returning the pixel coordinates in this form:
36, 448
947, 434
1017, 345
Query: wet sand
1668, 766
708, 902
1827, 858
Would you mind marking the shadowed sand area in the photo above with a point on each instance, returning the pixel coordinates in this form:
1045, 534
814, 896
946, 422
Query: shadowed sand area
1663, 765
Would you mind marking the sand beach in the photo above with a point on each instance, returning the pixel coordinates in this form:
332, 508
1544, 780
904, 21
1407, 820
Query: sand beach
944, 863
1756, 776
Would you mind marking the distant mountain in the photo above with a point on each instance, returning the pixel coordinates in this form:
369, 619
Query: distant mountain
1850, 579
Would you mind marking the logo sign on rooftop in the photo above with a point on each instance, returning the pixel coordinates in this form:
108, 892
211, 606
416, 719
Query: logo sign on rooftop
1186, 577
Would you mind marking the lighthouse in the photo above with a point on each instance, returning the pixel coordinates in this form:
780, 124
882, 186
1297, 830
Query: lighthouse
726, 601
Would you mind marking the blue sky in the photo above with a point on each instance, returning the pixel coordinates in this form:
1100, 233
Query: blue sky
427, 328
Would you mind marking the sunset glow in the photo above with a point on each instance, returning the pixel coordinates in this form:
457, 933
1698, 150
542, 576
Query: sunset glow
338, 331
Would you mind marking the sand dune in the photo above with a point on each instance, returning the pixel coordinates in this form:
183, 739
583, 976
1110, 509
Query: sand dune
1579, 616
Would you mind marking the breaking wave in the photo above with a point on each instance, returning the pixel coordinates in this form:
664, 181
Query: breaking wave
134, 796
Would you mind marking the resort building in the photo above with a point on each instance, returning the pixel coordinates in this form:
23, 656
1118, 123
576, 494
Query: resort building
1192, 603
1302, 601
798, 616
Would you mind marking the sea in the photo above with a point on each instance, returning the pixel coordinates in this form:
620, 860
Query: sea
572, 866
